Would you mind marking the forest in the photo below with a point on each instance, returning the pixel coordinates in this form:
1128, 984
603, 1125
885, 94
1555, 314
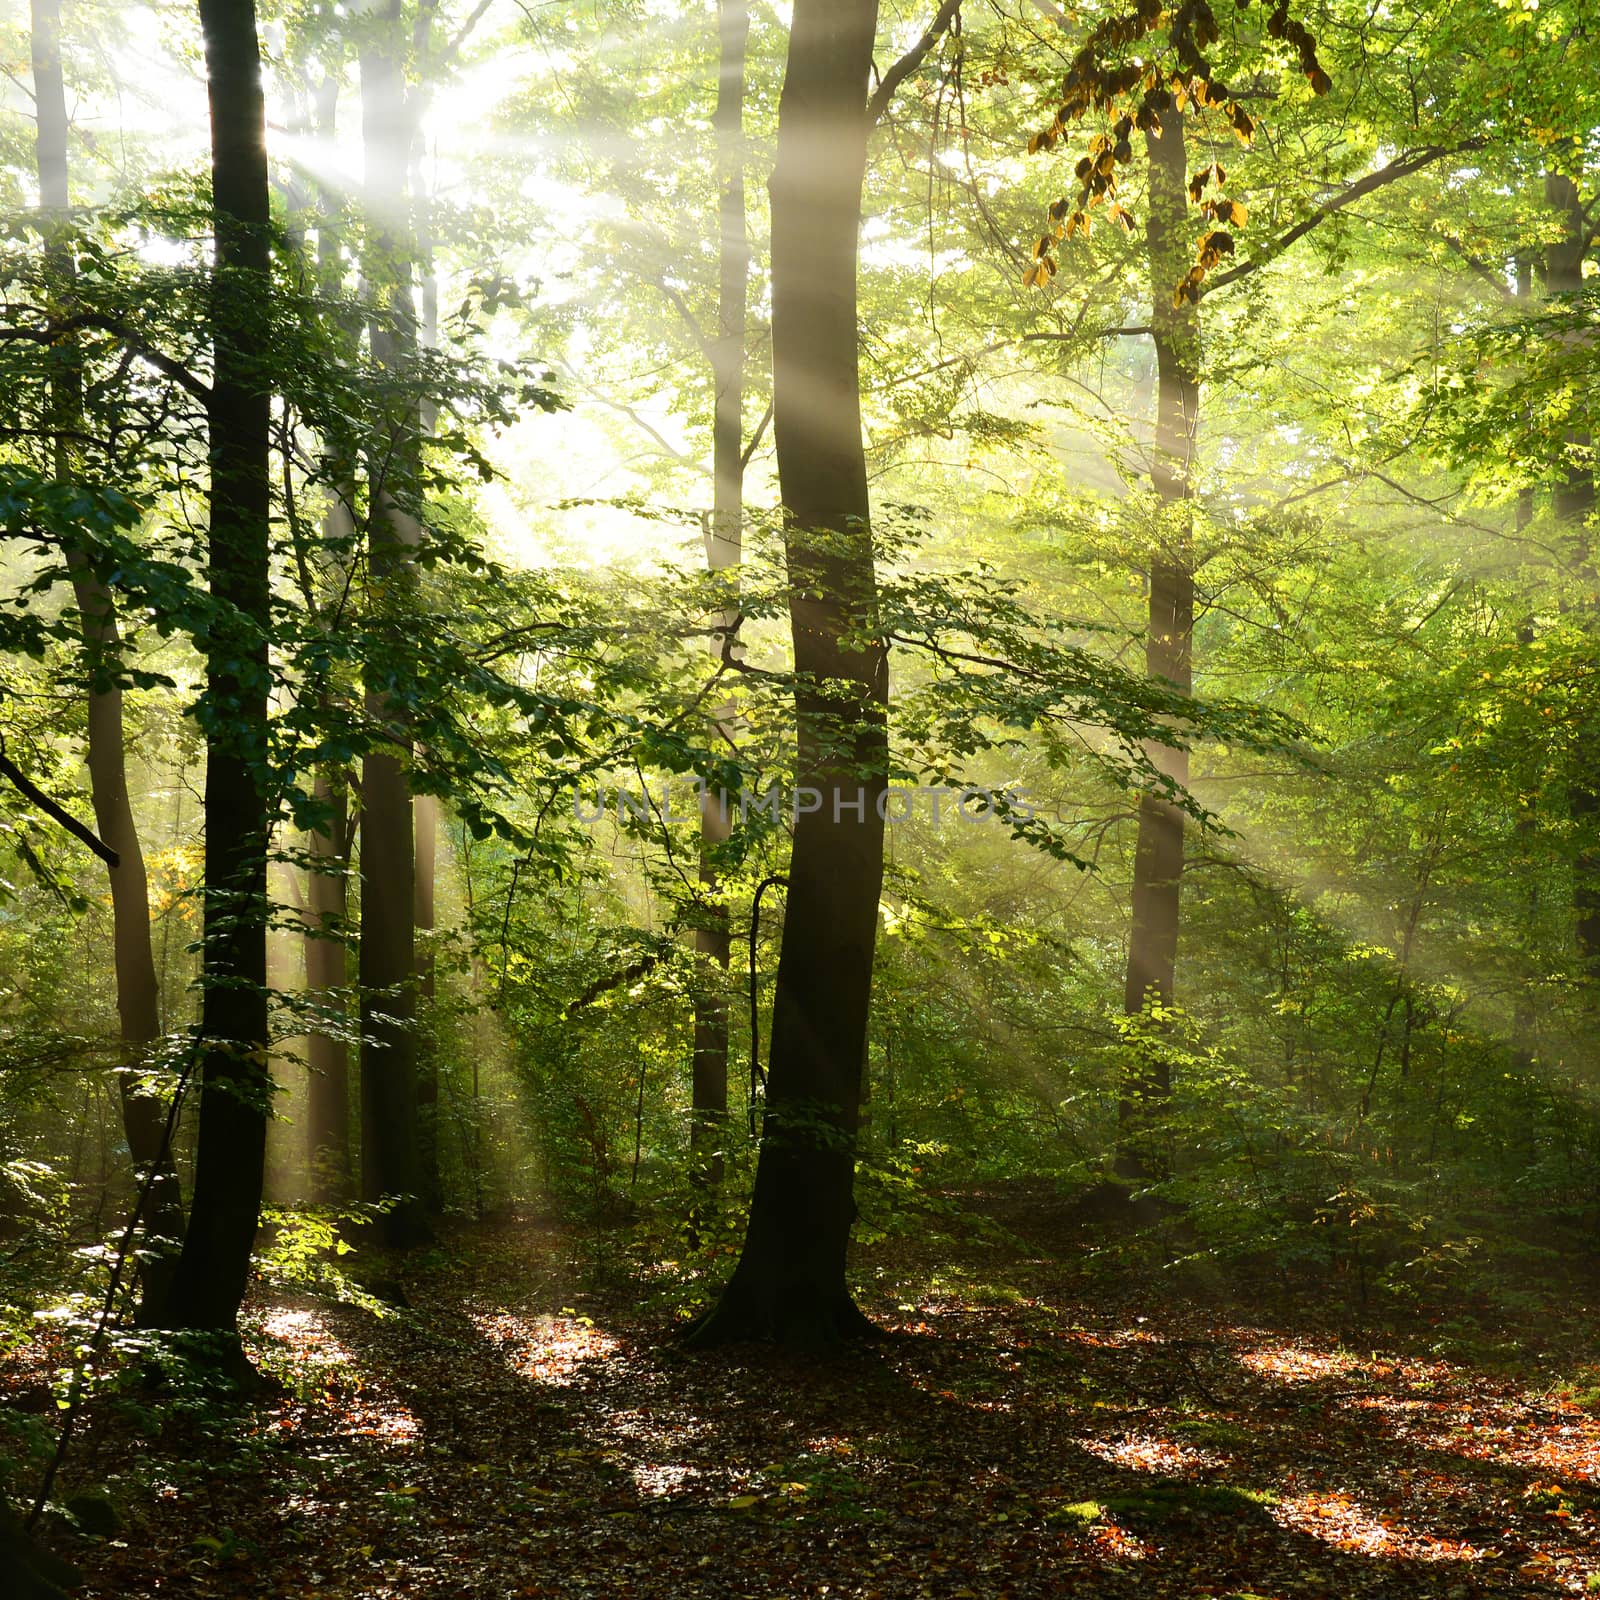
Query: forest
799, 798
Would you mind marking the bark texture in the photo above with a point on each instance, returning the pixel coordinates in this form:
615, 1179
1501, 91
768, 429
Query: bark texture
790, 1284
1574, 505
327, 1054
1158, 856
235, 1084
425, 829
329, 1151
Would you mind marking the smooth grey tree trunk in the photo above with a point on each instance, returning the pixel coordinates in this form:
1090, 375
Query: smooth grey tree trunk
138, 990
724, 551
1151, 978
391, 1163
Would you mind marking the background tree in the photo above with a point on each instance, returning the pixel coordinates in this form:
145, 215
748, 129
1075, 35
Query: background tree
138, 990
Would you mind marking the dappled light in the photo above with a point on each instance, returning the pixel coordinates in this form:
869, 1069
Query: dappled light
799, 801
328, 1375
1345, 1523
550, 1350
1143, 1452
509, 1439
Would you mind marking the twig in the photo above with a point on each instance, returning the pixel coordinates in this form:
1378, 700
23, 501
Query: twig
124, 1249
758, 1079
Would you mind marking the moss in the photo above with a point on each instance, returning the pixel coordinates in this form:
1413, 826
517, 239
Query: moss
1170, 1498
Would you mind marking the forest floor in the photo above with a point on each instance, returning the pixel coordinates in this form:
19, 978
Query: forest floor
527, 1428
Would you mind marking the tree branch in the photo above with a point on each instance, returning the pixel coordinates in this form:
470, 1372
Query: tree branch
755, 438
447, 56
911, 60
165, 364
707, 346
613, 980
1401, 167
9, 769
1483, 269
665, 445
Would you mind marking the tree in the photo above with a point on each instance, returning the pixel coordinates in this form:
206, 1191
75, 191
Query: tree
235, 1087
327, 1053
391, 1146
1169, 642
138, 993
790, 1280
1574, 504
1156, 99
724, 545
329, 843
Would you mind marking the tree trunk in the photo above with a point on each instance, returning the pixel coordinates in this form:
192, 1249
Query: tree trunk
133, 957
328, 1146
1524, 1015
390, 1145
724, 550
425, 827
327, 1055
1574, 504
1158, 855
425, 808
790, 1281
235, 1084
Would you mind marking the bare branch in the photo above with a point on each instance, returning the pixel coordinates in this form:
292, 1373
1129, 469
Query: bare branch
33, 792
1402, 167
755, 438
911, 60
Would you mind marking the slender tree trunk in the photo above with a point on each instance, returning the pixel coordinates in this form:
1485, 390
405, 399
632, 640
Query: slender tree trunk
724, 549
1158, 855
328, 1143
235, 1084
790, 1280
133, 958
1574, 504
390, 1144
425, 826
327, 1055
1523, 1016
425, 808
